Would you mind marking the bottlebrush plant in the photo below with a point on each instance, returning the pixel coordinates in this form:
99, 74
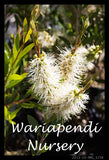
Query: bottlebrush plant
58, 83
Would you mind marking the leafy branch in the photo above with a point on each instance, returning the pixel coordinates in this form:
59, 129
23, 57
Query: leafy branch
25, 39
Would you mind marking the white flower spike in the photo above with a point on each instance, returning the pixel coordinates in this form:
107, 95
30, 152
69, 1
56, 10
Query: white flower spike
58, 83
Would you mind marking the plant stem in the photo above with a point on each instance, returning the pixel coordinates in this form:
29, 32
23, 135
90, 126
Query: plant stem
78, 41
89, 83
20, 101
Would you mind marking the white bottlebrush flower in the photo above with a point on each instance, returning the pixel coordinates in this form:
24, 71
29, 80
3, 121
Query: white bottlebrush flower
43, 74
46, 40
72, 105
58, 83
73, 66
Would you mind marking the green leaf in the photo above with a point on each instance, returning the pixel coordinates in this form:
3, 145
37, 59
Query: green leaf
28, 93
15, 79
17, 42
7, 49
7, 56
10, 115
26, 50
28, 35
29, 105
25, 61
15, 68
6, 63
15, 52
6, 113
35, 12
22, 53
10, 121
17, 97
40, 107
32, 23
32, 121
14, 114
17, 76
25, 25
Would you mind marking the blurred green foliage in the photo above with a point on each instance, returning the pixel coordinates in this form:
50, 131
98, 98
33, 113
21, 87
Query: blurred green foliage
66, 19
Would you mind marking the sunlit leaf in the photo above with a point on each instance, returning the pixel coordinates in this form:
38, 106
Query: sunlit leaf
15, 52
12, 36
25, 27
15, 79
10, 121
26, 50
14, 114
6, 63
6, 113
7, 55
7, 49
32, 24
28, 35
17, 76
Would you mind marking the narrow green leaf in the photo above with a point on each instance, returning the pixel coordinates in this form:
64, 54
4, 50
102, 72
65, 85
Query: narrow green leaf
29, 105
35, 12
32, 23
17, 42
25, 25
28, 93
17, 76
10, 121
7, 49
40, 107
6, 63
15, 52
14, 114
7, 57
26, 50
28, 35
10, 115
15, 68
6, 113
17, 97
15, 79
22, 53
32, 121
